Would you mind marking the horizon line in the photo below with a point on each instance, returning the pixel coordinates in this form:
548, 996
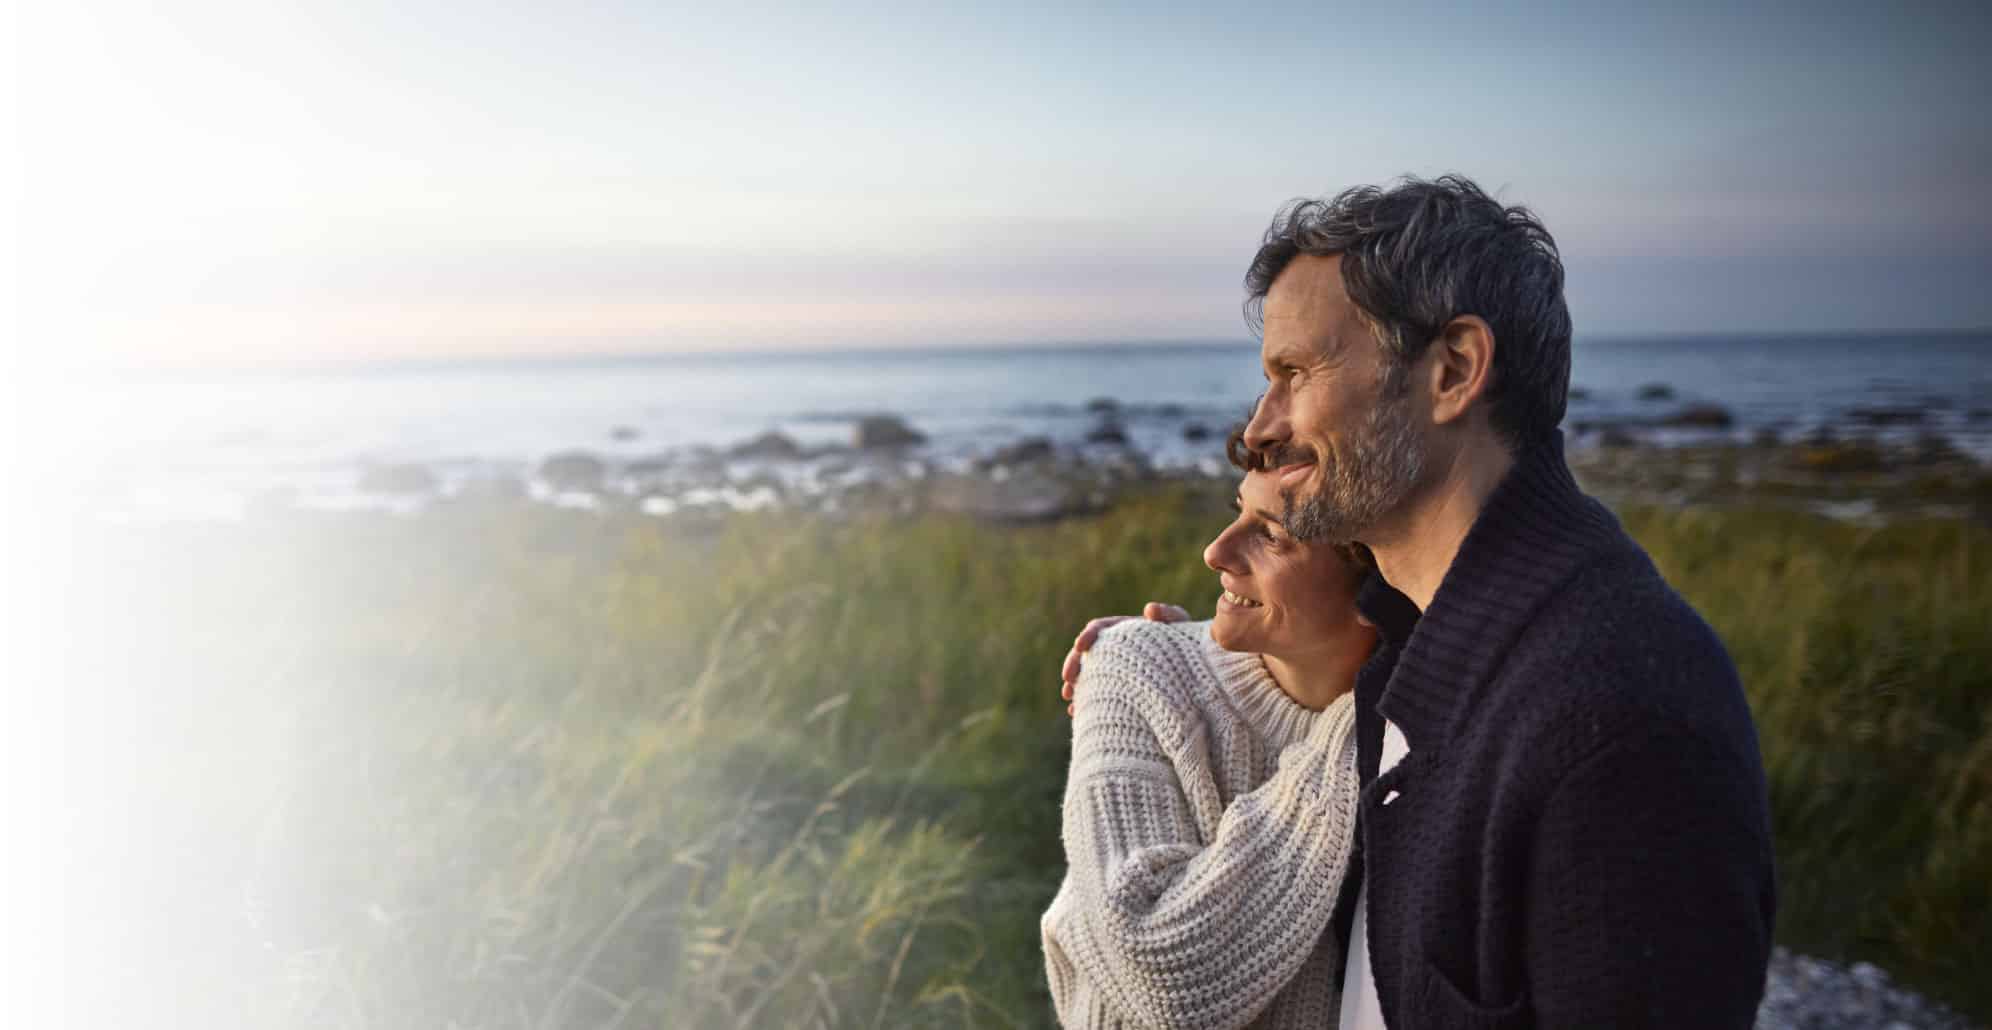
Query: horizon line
388, 365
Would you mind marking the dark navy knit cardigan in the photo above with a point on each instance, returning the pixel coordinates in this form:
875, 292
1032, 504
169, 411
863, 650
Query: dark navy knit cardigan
1579, 836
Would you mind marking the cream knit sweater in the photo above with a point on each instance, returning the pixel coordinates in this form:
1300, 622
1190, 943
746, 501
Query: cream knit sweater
1208, 821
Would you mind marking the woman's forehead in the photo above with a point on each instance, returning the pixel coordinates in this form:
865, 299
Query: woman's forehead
1260, 491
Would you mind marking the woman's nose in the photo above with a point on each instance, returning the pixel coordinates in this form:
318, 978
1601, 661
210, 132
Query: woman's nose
1218, 556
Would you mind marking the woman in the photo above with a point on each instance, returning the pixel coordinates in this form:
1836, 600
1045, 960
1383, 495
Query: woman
1210, 808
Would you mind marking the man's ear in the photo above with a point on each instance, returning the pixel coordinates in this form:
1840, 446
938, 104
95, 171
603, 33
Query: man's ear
1462, 366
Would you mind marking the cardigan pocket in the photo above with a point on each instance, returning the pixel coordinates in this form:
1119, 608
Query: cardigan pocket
1439, 1003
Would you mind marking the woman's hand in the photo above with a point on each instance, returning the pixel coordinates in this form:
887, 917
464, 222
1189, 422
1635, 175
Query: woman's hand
1153, 611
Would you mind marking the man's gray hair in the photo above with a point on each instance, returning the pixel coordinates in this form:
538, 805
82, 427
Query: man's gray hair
1418, 254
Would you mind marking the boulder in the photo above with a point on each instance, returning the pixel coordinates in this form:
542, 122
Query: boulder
1108, 432
1700, 416
398, 479
1888, 416
573, 470
1027, 497
771, 444
1935, 448
1196, 432
1103, 406
1840, 458
1656, 392
624, 433
880, 431
492, 489
1029, 449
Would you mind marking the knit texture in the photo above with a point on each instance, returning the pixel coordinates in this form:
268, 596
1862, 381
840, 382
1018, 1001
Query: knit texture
1580, 834
1208, 822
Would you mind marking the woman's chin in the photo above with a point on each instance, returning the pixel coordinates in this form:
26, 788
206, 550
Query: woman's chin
1226, 630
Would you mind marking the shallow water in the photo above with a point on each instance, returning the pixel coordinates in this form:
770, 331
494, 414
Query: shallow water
203, 446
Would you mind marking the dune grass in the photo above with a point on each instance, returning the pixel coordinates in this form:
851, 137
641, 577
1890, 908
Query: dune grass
536, 768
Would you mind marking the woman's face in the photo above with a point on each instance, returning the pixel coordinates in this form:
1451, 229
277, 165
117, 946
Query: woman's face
1281, 597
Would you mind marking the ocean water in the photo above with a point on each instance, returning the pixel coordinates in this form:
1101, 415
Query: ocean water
207, 447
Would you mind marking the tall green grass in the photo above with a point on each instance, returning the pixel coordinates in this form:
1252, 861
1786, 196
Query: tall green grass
536, 768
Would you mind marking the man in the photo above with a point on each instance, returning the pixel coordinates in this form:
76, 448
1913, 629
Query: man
1564, 820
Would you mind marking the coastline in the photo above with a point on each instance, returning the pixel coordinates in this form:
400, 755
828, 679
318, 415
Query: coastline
1855, 478
570, 714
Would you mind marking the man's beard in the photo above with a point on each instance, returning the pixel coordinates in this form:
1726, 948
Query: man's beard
1376, 471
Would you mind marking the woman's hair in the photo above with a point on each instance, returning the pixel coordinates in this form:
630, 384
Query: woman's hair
1245, 459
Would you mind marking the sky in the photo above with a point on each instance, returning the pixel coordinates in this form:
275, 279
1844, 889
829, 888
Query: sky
275, 183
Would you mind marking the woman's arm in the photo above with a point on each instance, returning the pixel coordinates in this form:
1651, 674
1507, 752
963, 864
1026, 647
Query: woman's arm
1169, 930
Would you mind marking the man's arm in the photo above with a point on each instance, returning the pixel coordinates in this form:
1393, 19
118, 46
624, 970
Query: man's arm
1650, 899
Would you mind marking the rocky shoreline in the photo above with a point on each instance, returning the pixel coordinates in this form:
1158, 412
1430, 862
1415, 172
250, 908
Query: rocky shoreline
1804, 993
1849, 473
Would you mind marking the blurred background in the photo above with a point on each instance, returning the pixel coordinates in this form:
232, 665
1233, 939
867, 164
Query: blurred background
569, 517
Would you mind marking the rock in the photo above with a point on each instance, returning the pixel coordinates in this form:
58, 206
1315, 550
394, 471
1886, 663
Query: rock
1109, 432
624, 433
1981, 415
1578, 393
1934, 448
1888, 416
879, 431
1196, 432
573, 470
655, 465
1171, 411
1103, 406
1700, 416
1025, 497
1656, 392
1029, 449
398, 479
1617, 436
1838, 459
1766, 437
771, 444
492, 489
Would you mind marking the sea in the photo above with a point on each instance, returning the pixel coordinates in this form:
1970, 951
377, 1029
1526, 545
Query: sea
215, 446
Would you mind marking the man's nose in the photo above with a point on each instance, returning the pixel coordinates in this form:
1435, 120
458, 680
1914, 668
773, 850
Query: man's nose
1268, 426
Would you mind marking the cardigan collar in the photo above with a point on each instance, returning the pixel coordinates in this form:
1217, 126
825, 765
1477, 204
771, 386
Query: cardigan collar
1536, 530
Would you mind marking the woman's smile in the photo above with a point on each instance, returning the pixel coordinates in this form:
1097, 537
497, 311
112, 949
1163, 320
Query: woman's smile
1237, 600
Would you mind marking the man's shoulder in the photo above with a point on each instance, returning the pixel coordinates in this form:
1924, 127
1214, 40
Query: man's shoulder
1618, 650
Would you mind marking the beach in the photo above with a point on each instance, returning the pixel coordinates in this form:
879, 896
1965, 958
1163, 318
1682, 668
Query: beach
504, 760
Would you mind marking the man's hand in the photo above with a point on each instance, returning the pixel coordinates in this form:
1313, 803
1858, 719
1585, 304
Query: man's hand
1153, 611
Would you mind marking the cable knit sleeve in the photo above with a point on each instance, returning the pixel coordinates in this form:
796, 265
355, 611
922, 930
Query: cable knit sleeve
1175, 913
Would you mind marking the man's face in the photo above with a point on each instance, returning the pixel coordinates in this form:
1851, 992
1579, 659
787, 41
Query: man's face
1338, 422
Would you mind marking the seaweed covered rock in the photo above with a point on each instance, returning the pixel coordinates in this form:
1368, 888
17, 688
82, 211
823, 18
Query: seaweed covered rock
884, 431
